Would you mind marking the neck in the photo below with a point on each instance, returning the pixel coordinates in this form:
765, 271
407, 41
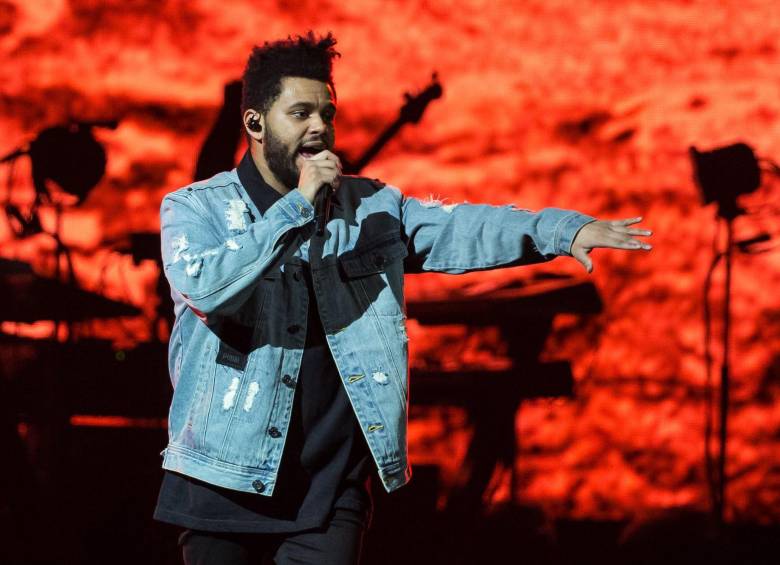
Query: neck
256, 150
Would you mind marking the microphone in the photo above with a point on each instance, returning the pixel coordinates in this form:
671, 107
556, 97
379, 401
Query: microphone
322, 207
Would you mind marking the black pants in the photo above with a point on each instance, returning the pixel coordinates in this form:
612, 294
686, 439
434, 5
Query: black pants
337, 543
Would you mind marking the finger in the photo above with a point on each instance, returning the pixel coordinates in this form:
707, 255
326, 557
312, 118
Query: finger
328, 174
326, 155
614, 241
321, 156
631, 231
633, 244
326, 165
582, 256
323, 171
626, 221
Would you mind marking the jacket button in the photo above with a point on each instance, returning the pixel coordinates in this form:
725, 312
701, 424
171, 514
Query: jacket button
297, 275
305, 212
258, 486
288, 381
274, 432
294, 329
379, 260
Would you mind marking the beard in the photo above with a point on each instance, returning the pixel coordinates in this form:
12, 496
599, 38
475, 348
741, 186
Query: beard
281, 160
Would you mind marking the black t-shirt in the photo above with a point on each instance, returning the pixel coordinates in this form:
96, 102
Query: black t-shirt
326, 463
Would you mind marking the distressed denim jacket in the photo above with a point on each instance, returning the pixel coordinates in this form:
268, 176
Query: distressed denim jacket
241, 310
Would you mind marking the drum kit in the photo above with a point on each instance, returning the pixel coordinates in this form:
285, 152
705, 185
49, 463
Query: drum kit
48, 385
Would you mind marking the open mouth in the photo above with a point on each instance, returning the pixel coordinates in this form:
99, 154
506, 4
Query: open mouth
309, 151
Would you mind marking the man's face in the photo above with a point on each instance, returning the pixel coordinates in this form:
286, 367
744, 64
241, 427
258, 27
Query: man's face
299, 124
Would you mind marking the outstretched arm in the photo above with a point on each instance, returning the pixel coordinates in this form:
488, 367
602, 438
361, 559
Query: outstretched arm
615, 234
457, 238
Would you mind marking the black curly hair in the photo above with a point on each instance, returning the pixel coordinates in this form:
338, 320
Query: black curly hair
306, 56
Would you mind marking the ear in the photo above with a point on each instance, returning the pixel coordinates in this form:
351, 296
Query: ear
254, 124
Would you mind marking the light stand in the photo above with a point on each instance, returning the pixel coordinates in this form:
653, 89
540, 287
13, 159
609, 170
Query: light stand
723, 175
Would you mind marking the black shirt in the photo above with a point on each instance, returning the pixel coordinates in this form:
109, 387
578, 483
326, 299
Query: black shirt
326, 462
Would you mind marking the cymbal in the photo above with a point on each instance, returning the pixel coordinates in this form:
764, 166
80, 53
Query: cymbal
28, 297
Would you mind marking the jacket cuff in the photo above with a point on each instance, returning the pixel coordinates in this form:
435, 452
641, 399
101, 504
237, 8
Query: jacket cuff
567, 229
296, 208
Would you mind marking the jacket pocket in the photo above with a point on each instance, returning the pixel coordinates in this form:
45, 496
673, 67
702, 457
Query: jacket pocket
374, 277
373, 259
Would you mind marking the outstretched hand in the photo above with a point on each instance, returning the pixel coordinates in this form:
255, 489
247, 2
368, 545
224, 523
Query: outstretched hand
615, 234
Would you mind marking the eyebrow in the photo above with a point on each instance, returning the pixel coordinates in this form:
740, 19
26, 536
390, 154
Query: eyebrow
310, 105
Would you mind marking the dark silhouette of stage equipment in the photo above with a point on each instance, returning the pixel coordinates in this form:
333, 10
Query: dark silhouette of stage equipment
524, 315
68, 155
146, 246
67, 162
100, 379
723, 175
31, 298
28, 298
71, 157
218, 152
410, 113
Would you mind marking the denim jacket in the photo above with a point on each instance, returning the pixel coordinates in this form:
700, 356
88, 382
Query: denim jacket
241, 309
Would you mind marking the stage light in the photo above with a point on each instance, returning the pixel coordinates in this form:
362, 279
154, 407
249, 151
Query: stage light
724, 174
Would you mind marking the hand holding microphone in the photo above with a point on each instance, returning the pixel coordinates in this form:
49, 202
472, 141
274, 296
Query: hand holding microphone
320, 176
317, 171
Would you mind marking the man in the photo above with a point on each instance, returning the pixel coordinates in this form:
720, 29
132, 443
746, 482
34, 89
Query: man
289, 356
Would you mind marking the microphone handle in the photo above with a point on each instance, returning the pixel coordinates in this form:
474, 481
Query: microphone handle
322, 207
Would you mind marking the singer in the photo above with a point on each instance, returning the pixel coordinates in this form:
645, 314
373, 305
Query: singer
288, 356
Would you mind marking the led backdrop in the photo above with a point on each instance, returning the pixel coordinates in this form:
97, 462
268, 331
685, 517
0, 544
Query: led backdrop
590, 104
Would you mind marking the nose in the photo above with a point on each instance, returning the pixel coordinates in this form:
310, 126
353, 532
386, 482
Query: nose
316, 123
